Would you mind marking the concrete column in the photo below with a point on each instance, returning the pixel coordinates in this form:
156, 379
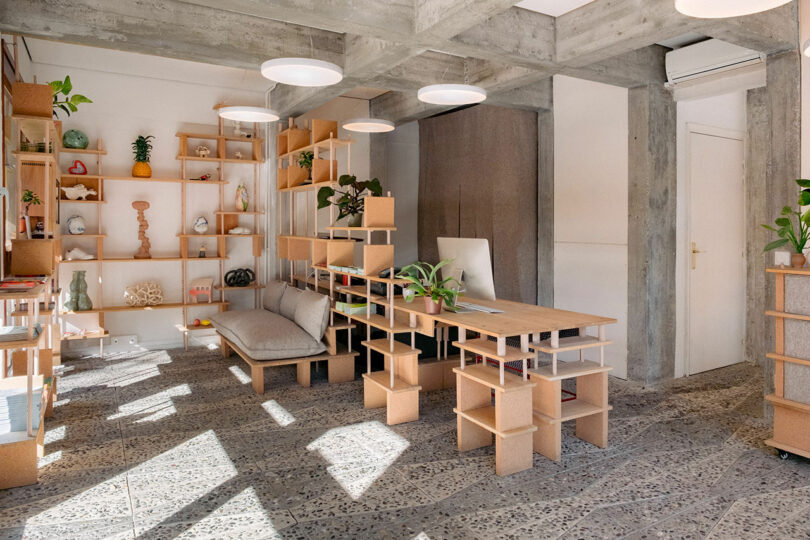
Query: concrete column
651, 234
545, 208
772, 163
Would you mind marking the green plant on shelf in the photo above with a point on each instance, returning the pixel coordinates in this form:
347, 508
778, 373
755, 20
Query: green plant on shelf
350, 202
424, 280
305, 161
68, 103
797, 235
30, 198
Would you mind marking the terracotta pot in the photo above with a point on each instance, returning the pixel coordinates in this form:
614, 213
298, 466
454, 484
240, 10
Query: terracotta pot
431, 307
798, 260
141, 169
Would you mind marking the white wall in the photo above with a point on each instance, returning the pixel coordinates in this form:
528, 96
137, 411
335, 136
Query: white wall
727, 111
136, 94
591, 205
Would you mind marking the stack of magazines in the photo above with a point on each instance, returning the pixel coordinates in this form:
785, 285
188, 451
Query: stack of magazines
14, 409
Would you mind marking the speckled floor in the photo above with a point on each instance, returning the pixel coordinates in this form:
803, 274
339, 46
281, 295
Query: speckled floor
176, 444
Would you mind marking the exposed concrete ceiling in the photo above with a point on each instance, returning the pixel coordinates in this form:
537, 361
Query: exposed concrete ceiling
512, 52
555, 8
689, 38
364, 92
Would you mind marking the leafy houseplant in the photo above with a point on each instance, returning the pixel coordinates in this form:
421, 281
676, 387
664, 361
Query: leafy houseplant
350, 202
142, 147
29, 198
305, 161
424, 281
798, 236
68, 104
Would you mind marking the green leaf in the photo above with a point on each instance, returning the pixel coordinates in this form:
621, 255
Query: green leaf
78, 98
804, 198
783, 222
786, 210
375, 187
64, 108
346, 180
324, 194
803, 183
71, 106
67, 86
806, 218
776, 244
769, 228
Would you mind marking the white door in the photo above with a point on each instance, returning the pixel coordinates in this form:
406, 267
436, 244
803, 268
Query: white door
716, 250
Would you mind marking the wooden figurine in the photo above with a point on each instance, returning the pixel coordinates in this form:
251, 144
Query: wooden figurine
201, 287
143, 251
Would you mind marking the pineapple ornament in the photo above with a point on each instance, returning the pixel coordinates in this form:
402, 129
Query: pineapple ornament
142, 147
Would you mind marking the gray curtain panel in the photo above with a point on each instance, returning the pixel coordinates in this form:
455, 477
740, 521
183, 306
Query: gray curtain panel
478, 179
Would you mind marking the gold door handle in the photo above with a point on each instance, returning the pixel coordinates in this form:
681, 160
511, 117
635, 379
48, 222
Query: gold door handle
695, 251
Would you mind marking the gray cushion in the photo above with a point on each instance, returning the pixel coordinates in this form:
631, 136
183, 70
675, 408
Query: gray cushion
272, 295
289, 301
264, 335
312, 313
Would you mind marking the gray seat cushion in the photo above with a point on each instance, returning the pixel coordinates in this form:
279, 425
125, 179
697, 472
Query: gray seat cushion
289, 302
264, 335
272, 295
312, 313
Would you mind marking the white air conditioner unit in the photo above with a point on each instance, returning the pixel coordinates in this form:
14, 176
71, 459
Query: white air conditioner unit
712, 67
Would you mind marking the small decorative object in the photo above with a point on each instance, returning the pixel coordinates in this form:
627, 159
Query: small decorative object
238, 131
76, 225
799, 236
77, 192
781, 258
73, 138
350, 202
196, 322
142, 148
202, 151
424, 281
143, 251
237, 154
305, 162
148, 293
39, 230
201, 254
200, 225
78, 301
242, 199
239, 277
67, 104
78, 254
205, 322
202, 178
78, 168
201, 287
29, 198
239, 230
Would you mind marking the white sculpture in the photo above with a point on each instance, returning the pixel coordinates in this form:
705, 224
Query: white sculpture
237, 130
200, 225
239, 230
238, 155
78, 254
202, 151
79, 191
76, 225
148, 293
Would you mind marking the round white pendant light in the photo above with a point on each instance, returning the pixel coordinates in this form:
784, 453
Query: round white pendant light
368, 125
302, 71
243, 113
451, 94
718, 9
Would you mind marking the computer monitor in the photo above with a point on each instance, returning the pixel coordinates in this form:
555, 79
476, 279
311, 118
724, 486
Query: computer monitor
471, 261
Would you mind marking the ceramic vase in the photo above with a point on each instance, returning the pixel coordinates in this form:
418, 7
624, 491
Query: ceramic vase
242, 200
79, 301
355, 220
431, 307
798, 260
141, 169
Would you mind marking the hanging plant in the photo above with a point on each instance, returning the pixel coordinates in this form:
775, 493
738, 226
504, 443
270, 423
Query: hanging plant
68, 103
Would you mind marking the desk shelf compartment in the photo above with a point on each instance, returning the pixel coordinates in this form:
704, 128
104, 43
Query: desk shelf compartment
556, 345
508, 421
489, 350
396, 387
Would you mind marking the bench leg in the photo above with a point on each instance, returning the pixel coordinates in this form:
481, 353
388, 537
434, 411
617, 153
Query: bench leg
257, 378
303, 372
340, 369
224, 347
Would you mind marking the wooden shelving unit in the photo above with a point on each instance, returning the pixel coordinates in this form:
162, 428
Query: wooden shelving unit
791, 396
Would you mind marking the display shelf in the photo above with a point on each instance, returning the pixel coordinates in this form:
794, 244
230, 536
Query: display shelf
21, 310
171, 305
568, 370
401, 400
82, 176
251, 287
789, 270
788, 359
195, 235
78, 261
98, 334
73, 201
359, 290
573, 343
237, 212
220, 160
214, 137
571, 410
83, 235
383, 380
377, 321
165, 180
489, 377
35, 156
321, 146
83, 151
395, 281
485, 418
323, 283
383, 346
309, 187
489, 349
360, 229
19, 450
785, 315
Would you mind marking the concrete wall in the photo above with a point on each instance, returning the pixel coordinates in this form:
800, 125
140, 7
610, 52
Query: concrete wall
591, 205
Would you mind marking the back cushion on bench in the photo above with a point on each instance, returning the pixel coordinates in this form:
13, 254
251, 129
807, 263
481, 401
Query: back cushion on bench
312, 313
272, 295
289, 301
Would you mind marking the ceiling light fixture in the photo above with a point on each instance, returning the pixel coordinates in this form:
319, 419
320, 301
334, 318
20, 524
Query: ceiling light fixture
719, 9
368, 125
243, 113
302, 71
451, 94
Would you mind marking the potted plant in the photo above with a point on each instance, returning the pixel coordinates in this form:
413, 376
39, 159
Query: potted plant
424, 281
305, 162
68, 103
350, 202
798, 236
142, 147
28, 198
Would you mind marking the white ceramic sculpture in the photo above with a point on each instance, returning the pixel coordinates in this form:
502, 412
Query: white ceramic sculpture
202, 151
200, 225
237, 130
79, 191
239, 230
78, 254
238, 155
76, 225
148, 293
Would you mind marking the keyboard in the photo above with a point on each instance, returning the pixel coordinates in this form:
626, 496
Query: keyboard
475, 307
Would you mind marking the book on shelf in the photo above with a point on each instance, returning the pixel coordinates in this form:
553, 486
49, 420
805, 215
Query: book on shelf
350, 309
17, 285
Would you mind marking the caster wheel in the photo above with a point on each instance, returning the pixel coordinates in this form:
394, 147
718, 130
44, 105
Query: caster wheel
783, 454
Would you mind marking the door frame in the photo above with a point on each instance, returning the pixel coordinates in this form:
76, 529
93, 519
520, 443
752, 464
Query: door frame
723, 133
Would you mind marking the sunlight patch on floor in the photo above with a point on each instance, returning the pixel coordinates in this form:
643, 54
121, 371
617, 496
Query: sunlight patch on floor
359, 454
55, 434
134, 378
53, 457
154, 407
240, 375
278, 413
188, 454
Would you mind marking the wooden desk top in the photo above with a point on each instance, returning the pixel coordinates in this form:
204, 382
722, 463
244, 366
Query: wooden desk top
517, 318
27, 294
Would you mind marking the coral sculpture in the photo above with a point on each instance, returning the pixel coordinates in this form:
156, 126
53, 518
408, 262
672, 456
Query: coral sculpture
148, 293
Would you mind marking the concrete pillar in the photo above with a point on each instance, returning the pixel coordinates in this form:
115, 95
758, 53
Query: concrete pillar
651, 234
772, 163
545, 208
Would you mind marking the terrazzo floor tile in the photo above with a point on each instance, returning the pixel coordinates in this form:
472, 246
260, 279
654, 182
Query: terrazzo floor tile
167, 444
